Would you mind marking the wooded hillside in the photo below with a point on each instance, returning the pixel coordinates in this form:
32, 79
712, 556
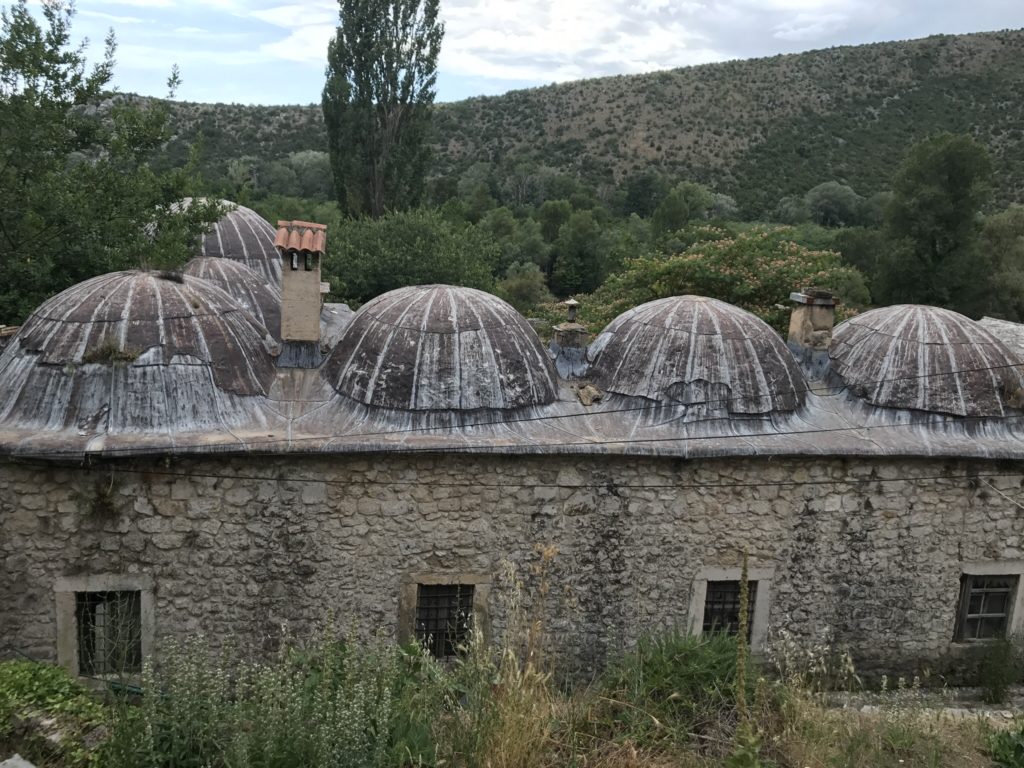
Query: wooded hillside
757, 130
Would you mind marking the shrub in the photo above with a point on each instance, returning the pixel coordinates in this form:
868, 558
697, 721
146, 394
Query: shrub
1007, 747
47, 715
999, 667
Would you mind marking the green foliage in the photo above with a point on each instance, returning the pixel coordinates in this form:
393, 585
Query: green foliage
367, 257
551, 216
832, 204
524, 287
999, 666
1007, 747
578, 254
938, 193
756, 270
78, 192
381, 71
1002, 241
672, 687
32, 693
323, 705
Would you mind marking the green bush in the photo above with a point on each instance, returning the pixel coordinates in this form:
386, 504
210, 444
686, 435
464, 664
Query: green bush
672, 686
32, 694
999, 667
1007, 747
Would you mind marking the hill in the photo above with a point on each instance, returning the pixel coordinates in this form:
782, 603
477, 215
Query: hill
758, 129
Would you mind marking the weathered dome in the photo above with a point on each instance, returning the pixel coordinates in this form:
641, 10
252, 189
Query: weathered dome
695, 350
438, 347
926, 359
243, 235
261, 299
134, 350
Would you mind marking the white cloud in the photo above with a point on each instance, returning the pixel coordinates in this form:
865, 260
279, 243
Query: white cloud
112, 18
809, 26
305, 44
296, 16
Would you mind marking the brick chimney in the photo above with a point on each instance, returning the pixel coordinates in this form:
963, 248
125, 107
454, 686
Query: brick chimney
810, 329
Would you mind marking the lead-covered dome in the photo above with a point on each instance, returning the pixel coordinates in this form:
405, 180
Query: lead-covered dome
134, 351
244, 236
697, 351
926, 359
439, 347
261, 299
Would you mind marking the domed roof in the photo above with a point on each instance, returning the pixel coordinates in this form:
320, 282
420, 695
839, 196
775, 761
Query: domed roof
261, 299
695, 350
243, 235
134, 350
438, 347
927, 359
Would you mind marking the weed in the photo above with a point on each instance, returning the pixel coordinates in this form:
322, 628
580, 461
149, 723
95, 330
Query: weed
999, 667
109, 352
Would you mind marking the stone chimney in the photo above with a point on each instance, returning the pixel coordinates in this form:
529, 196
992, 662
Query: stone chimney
302, 245
810, 329
569, 344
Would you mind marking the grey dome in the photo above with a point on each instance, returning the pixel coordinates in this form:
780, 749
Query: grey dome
438, 347
261, 299
926, 359
243, 235
695, 350
134, 350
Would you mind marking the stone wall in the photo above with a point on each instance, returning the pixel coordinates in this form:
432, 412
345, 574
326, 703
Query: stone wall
236, 547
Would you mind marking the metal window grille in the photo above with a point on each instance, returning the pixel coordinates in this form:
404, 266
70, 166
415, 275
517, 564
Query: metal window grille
985, 603
722, 607
444, 617
109, 632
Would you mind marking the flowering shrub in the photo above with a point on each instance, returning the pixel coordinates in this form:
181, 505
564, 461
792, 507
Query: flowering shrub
755, 270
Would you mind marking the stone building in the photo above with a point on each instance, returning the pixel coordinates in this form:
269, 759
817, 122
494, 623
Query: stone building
174, 462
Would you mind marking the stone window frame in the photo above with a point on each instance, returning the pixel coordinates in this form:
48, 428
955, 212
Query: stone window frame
1015, 620
408, 593
65, 589
764, 576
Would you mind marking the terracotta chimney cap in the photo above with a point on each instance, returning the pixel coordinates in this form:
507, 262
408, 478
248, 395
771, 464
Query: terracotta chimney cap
304, 236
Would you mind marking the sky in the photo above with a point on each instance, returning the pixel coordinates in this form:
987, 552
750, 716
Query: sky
273, 51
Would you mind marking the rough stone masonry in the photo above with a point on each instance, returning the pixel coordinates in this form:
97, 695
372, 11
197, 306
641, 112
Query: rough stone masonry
861, 553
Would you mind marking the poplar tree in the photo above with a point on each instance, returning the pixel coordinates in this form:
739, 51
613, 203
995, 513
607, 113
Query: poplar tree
381, 72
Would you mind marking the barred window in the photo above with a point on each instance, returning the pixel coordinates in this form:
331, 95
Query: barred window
722, 607
984, 609
109, 626
444, 617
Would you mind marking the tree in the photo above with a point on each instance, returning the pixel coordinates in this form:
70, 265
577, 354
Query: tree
370, 256
1002, 240
578, 255
933, 221
524, 287
78, 193
381, 71
756, 270
832, 204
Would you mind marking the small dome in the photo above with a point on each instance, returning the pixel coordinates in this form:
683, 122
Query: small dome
134, 351
438, 347
261, 299
926, 359
694, 350
243, 235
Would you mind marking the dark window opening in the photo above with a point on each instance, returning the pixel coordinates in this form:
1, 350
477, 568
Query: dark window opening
310, 262
984, 609
444, 617
722, 607
109, 632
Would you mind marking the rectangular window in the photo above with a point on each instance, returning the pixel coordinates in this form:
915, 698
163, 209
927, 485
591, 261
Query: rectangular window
984, 610
722, 607
444, 617
109, 626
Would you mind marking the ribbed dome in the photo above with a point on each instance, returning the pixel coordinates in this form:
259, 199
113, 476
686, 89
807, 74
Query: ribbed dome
926, 359
243, 235
261, 299
437, 347
134, 350
695, 350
